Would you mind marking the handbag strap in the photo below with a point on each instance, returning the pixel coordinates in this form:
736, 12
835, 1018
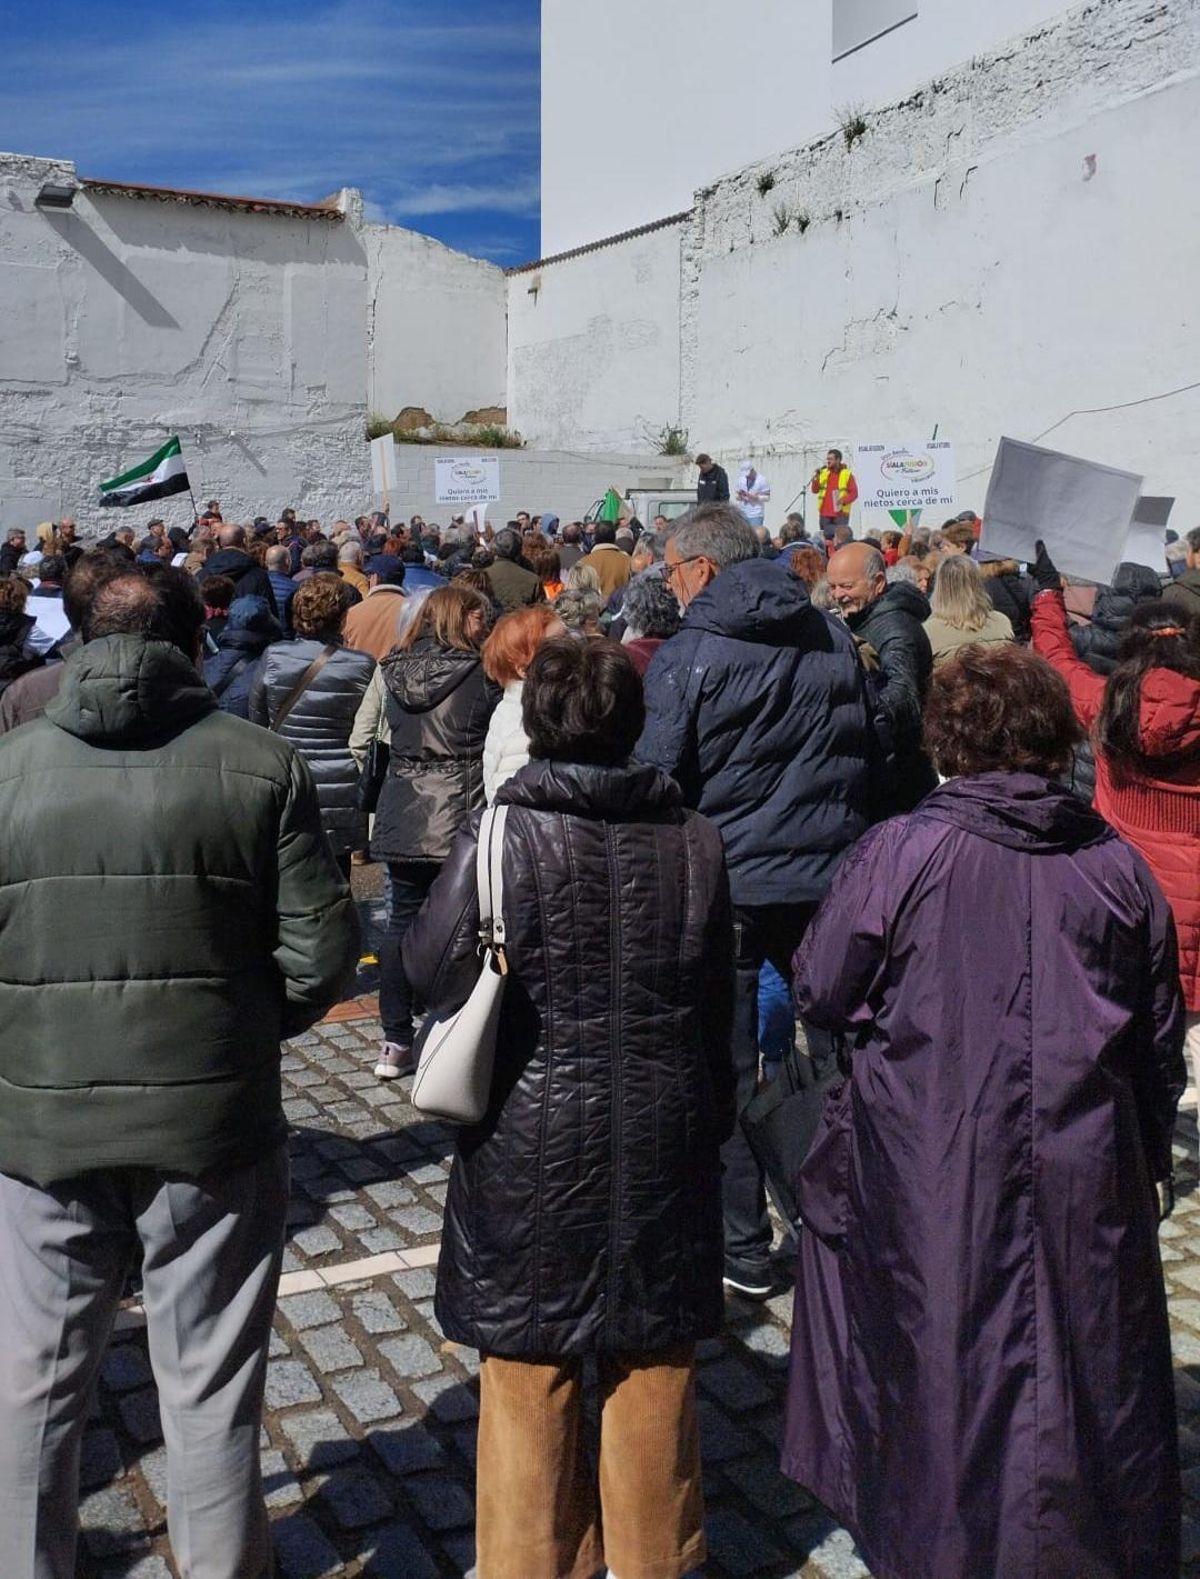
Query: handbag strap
302, 685
232, 673
489, 877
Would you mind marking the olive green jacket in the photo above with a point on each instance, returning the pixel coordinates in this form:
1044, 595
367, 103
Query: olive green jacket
169, 910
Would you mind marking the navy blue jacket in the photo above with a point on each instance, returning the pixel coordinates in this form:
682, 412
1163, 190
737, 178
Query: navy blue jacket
250, 629
758, 708
284, 589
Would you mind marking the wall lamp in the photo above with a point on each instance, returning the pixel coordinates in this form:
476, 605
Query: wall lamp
54, 194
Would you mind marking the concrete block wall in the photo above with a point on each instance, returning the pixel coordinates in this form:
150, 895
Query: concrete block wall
565, 483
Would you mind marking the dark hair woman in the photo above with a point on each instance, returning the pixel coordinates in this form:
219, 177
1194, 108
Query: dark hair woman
17, 656
1143, 722
981, 1366
584, 1215
319, 721
437, 702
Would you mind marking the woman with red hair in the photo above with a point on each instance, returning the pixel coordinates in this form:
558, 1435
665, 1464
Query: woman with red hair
507, 654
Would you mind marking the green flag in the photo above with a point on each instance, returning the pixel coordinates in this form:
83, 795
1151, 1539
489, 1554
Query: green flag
158, 478
610, 510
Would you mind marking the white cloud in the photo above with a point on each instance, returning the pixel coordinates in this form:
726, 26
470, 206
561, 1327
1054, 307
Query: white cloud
517, 197
428, 117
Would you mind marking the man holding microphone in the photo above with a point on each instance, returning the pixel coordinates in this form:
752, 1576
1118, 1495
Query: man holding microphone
837, 490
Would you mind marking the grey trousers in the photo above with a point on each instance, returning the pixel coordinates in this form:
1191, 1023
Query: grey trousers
211, 1251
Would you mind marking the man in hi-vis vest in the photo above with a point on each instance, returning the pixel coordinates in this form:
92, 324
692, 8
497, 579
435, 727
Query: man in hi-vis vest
837, 490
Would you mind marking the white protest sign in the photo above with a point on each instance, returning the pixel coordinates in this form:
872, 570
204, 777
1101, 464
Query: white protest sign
383, 464
1080, 509
917, 476
1146, 543
467, 479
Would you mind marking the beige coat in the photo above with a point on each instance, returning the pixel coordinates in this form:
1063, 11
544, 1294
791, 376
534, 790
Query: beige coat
945, 640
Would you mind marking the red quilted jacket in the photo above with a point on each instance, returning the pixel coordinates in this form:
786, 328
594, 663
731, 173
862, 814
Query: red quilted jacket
1159, 815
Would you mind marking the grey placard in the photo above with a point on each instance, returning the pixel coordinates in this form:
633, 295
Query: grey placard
1081, 510
1153, 510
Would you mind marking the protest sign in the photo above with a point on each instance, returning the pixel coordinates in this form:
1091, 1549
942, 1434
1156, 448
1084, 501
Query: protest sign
467, 480
1081, 510
383, 464
906, 477
1146, 543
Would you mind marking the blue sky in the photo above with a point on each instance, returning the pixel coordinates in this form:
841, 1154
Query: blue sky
430, 109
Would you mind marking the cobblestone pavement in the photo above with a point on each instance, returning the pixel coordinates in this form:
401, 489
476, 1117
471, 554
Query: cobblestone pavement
369, 1437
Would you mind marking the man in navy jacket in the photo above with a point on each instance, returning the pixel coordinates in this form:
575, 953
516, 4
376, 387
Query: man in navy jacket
759, 709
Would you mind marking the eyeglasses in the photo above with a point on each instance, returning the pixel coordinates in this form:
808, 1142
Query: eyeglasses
679, 563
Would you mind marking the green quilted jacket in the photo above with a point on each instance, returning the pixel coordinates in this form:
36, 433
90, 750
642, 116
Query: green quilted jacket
169, 910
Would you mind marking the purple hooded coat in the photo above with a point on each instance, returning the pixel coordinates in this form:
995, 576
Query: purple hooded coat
981, 1377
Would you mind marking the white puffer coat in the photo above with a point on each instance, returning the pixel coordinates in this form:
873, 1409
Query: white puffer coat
506, 749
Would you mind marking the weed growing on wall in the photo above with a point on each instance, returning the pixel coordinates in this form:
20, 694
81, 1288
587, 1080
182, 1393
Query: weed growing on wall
497, 438
852, 123
490, 436
669, 440
766, 183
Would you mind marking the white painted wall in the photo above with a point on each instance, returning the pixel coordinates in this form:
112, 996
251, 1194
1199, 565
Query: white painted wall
593, 346
435, 323
542, 481
123, 321
1012, 247
1012, 250
643, 104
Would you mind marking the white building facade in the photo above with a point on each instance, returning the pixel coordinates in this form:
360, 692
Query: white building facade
1009, 248
261, 332
643, 104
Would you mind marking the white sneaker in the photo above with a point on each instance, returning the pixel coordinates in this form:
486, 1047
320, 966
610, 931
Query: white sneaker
394, 1060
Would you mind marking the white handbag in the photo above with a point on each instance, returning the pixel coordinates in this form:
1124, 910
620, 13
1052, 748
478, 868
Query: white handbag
457, 1052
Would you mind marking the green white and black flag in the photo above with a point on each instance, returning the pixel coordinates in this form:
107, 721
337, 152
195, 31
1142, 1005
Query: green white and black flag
158, 478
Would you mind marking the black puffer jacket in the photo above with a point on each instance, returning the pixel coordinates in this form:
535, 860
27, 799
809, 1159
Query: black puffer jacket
248, 576
1012, 595
15, 630
758, 710
319, 726
584, 1213
894, 626
1097, 642
438, 706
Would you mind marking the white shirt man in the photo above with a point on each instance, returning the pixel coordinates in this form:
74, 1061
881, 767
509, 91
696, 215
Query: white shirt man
753, 491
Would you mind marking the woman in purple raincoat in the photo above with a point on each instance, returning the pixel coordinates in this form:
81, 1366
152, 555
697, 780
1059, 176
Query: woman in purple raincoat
981, 1373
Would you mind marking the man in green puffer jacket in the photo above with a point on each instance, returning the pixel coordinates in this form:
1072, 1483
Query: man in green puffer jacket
169, 910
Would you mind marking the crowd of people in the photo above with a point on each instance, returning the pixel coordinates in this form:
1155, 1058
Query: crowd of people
948, 806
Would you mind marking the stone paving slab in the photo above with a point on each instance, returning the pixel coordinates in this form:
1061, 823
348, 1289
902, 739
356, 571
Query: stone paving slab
369, 1437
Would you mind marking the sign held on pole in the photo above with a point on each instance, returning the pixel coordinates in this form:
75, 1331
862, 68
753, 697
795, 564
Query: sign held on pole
384, 476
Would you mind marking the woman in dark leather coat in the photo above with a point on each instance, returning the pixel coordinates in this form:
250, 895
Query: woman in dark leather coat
439, 703
584, 1212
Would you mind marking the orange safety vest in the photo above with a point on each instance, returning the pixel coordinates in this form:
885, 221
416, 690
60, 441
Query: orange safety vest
831, 498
